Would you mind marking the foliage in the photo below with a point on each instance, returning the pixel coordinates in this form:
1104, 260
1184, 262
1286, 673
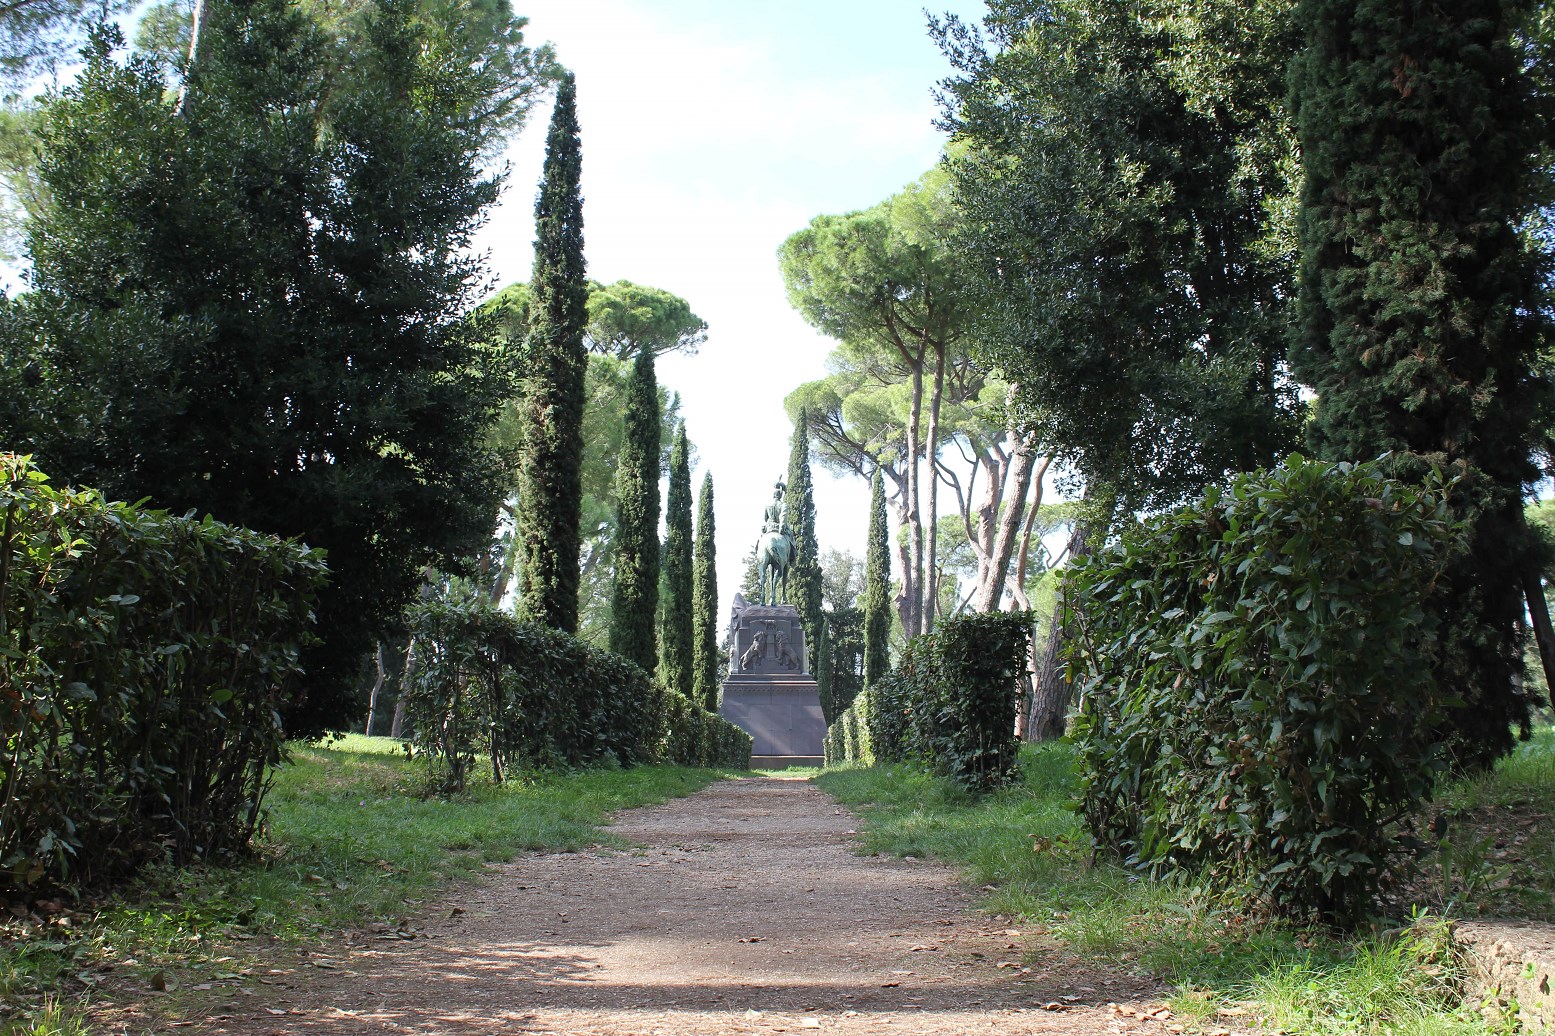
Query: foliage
882, 282
606, 388
950, 702
706, 658
529, 696
143, 661
235, 312
635, 594
1279, 623
803, 586
1124, 174
351, 838
625, 318
676, 639
844, 658
37, 35
550, 491
877, 590
1424, 307
1026, 847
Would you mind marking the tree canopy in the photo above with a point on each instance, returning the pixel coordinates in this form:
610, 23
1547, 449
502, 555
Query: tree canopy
1124, 174
236, 313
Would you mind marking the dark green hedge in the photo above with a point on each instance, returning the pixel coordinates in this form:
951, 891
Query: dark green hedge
144, 659
1255, 674
951, 701
531, 697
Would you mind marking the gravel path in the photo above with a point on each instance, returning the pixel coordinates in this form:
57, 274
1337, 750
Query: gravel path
746, 911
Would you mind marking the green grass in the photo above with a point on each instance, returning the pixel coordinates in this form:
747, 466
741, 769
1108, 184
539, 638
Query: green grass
1031, 854
351, 838
1499, 860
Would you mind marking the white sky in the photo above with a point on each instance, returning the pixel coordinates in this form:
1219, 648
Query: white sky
711, 131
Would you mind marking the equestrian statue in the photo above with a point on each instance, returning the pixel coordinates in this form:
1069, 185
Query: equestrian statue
775, 550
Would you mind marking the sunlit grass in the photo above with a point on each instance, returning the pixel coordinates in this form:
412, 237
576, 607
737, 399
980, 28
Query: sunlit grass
1030, 853
351, 837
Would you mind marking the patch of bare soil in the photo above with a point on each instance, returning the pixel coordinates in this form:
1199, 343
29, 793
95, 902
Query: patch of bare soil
746, 911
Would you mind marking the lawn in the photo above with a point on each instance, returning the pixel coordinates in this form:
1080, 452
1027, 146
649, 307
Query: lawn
351, 839
1029, 851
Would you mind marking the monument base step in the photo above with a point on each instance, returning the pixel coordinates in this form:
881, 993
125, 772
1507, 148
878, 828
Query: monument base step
783, 762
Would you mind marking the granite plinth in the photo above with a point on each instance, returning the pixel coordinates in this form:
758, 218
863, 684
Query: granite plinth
781, 714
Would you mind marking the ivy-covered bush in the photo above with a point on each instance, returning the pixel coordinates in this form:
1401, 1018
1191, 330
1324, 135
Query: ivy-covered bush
950, 701
531, 697
144, 660
848, 740
1255, 673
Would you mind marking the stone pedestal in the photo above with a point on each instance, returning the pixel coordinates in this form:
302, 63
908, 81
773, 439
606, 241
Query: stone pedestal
769, 693
782, 716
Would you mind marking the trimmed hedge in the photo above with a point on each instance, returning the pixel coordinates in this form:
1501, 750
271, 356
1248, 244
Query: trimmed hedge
531, 697
951, 701
1256, 682
144, 661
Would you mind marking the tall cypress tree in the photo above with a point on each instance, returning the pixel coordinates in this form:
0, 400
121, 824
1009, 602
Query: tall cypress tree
877, 589
675, 639
550, 489
704, 604
635, 595
804, 576
1422, 311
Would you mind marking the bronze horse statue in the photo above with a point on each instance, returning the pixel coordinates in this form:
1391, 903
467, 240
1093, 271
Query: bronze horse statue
774, 556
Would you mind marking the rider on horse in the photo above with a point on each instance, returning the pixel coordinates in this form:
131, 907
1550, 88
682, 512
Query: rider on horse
775, 551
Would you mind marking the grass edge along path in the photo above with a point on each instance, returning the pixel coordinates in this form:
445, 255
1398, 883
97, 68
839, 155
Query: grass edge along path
1029, 852
352, 839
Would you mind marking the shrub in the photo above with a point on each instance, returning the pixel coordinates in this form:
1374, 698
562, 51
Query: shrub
1256, 685
144, 660
534, 697
951, 701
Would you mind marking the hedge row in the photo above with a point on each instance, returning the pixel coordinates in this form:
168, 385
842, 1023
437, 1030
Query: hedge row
531, 697
951, 702
1255, 674
144, 659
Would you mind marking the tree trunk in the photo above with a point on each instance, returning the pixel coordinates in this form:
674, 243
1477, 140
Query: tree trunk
904, 594
1024, 555
1053, 692
1539, 612
931, 449
397, 727
197, 28
1020, 472
372, 699
914, 587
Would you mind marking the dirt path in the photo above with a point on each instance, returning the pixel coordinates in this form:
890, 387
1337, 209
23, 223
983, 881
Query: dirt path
747, 912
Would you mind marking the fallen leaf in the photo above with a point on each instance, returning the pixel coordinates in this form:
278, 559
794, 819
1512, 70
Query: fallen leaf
889, 985
275, 1010
924, 949
753, 1014
809, 1023
1054, 1005
755, 938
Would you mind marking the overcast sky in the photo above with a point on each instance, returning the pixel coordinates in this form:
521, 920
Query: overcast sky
712, 130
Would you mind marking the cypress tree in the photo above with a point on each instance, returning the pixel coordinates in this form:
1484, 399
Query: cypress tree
704, 604
1421, 310
804, 575
635, 595
675, 640
877, 589
550, 490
